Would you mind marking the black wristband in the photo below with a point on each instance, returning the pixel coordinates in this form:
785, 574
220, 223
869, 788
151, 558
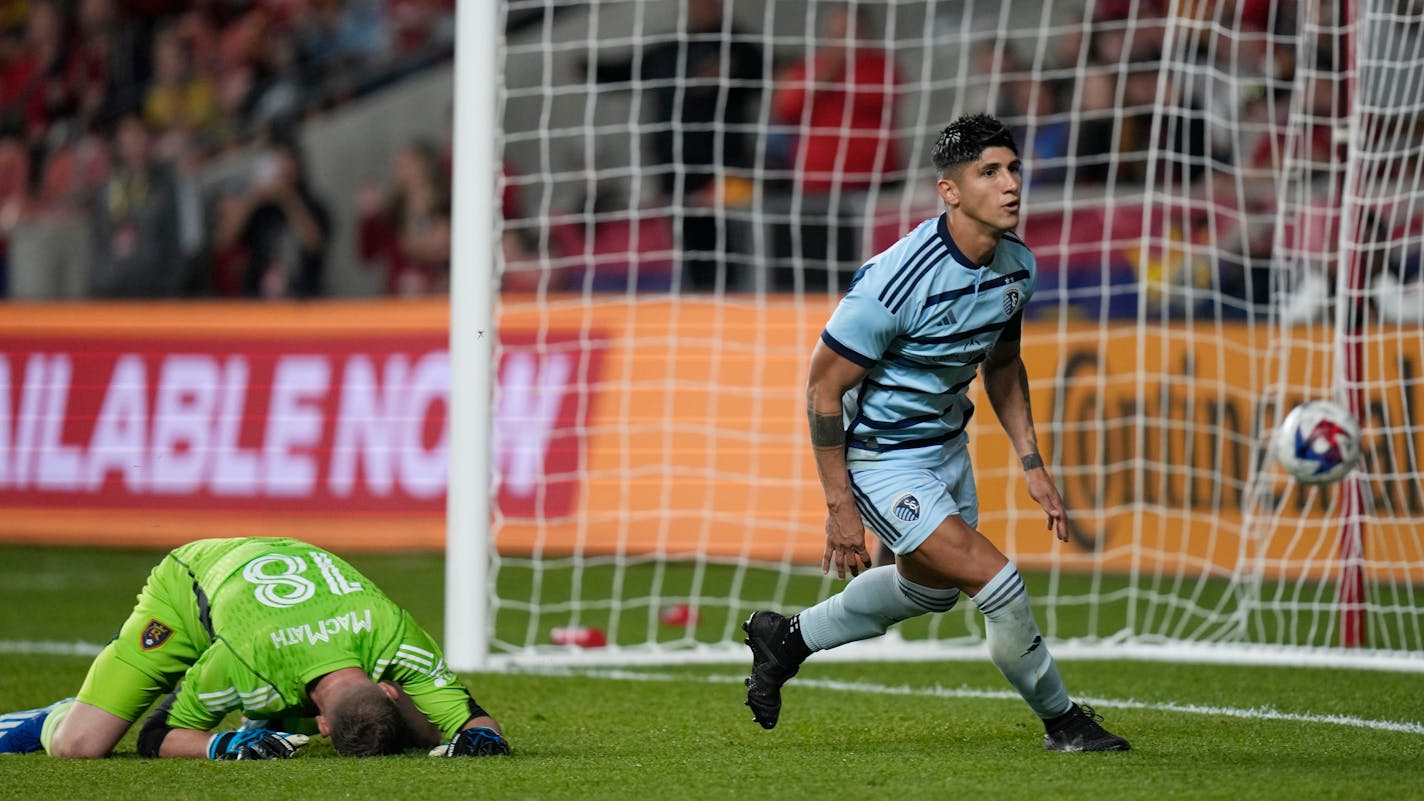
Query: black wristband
475, 710
1031, 461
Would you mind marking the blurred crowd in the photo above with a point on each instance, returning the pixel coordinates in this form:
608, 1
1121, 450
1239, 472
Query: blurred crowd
110, 110
820, 130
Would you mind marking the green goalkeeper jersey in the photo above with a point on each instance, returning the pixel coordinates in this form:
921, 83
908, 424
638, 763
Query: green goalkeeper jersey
284, 613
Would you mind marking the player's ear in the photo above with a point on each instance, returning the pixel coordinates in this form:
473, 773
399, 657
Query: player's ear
322, 726
948, 190
392, 691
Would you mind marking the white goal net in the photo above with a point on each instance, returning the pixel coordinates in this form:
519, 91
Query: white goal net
1225, 200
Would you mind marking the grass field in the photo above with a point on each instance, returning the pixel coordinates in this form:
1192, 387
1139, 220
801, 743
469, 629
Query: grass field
860, 730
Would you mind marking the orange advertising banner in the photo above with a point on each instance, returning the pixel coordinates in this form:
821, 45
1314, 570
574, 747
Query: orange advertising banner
631, 426
153, 424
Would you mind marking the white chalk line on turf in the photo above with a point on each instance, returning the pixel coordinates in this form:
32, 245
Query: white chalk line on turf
60, 648
50, 648
1252, 713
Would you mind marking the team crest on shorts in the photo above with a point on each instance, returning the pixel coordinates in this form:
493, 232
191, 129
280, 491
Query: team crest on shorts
156, 633
1012, 299
907, 508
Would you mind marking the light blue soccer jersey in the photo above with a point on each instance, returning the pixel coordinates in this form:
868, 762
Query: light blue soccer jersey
922, 317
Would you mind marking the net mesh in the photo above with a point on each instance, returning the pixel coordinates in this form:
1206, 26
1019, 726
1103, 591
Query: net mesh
1225, 203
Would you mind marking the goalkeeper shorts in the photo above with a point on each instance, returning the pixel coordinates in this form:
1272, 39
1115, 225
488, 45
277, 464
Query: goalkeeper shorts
162, 637
903, 503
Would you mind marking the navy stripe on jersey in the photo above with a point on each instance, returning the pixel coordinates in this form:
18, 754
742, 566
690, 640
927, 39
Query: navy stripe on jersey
899, 388
883, 528
954, 390
884, 425
944, 297
905, 360
956, 337
855, 279
908, 279
909, 290
835, 345
1013, 237
863, 444
909, 265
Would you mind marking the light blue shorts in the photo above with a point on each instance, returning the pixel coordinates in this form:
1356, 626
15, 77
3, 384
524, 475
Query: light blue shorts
902, 504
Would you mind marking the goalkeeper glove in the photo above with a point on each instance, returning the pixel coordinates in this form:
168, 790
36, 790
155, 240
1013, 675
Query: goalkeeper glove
254, 744
482, 741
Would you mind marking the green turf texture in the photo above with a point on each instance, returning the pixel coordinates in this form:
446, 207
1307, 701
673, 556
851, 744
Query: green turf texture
686, 735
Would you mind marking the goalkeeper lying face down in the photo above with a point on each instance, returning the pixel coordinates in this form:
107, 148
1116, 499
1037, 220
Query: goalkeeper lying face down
275, 629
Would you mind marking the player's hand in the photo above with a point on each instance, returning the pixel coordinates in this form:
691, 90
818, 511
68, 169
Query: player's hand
845, 542
478, 742
1042, 489
255, 744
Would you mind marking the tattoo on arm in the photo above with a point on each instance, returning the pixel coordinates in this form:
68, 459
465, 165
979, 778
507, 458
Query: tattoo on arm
1032, 460
827, 430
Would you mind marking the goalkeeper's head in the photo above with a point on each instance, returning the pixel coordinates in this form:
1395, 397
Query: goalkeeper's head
363, 720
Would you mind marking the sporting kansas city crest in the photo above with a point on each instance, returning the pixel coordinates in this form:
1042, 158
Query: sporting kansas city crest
907, 508
1012, 298
155, 634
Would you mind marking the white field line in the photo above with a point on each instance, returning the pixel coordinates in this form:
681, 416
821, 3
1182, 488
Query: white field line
862, 688
50, 647
59, 648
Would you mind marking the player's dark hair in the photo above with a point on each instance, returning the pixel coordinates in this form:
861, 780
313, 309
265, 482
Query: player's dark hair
964, 140
365, 722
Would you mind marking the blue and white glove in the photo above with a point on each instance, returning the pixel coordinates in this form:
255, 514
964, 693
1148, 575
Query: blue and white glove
254, 744
482, 741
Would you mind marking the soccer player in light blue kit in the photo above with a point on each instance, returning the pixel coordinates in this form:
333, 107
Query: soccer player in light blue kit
887, 410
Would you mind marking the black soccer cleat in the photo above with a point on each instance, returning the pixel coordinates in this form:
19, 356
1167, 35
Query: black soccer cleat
773, 664
1078, 730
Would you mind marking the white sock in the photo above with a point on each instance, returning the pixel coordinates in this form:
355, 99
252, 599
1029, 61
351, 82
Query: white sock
869, 604
1016, 645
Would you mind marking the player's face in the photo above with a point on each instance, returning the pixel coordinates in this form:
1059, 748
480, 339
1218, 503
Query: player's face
987, 190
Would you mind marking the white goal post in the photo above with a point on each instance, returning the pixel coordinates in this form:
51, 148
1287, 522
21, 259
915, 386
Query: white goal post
655, 212
472, 282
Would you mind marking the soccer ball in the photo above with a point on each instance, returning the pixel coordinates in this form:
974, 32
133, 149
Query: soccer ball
1318, 442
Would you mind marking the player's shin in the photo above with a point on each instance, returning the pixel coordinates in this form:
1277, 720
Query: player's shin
870, 604
1016, 646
